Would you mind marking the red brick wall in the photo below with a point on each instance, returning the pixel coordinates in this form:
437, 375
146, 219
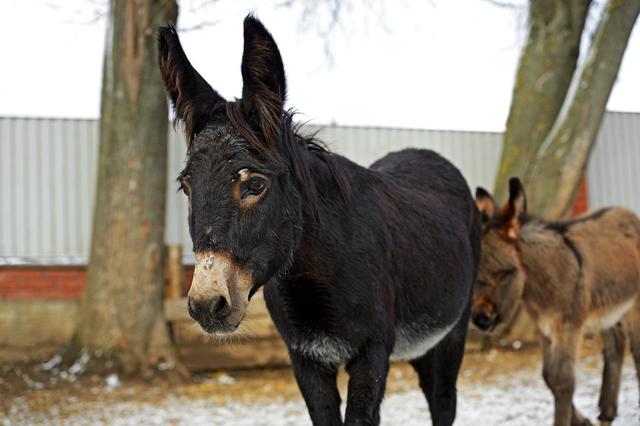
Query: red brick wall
41, 282
52, 282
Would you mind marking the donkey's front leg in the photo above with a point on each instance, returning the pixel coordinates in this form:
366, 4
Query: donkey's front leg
317, 382
559, 374
367, 379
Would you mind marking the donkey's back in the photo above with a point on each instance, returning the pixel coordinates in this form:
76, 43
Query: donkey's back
608, 242
432, 182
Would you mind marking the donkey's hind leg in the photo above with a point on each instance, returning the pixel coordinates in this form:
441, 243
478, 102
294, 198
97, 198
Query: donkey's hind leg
633, 329
613, 354
438, 373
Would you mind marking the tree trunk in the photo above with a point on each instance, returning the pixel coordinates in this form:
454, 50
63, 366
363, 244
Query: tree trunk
120, 320
544, 74
538, 128
562, 158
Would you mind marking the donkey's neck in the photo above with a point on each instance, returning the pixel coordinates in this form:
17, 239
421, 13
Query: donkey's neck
327, 221
549, 262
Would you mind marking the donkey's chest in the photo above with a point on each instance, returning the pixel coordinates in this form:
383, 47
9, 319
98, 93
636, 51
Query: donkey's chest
411, 342
323, 348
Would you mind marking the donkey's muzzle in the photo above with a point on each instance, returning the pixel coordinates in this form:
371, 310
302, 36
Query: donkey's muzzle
483, 321
218, 294
209, 312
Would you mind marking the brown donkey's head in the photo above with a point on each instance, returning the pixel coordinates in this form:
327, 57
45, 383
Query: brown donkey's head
501, 277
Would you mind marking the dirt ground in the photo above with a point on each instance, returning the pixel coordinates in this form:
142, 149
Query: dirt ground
495, 388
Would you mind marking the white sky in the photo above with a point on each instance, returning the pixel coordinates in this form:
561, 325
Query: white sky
405, 63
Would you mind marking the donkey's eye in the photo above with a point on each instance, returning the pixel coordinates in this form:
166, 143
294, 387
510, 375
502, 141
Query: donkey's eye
255, 186
482, 285
505, 273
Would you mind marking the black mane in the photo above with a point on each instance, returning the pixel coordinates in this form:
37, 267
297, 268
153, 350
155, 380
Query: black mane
296, 151
562, 226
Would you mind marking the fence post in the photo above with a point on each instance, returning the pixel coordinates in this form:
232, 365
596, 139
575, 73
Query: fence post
173, 287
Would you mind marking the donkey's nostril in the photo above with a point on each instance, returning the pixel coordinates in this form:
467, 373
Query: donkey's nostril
483, 321
220, 307
192, 308
215, 309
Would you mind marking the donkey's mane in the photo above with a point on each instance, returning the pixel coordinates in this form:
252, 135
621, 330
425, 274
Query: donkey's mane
496, 222
296, 150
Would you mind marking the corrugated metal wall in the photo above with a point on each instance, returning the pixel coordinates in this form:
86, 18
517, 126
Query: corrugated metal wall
48, 170
476, 154
47, 177
613, 173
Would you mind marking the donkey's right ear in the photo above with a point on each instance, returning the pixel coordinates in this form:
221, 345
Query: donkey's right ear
485, 203
191, 96
513, 213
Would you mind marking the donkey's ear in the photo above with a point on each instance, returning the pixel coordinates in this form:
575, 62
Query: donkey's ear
514, 211
264, 86
485, 204
191, 96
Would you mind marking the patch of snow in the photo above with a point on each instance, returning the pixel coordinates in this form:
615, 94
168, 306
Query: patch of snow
519, 399
163, 366
80, 364
53, 362
112, 381
226, 379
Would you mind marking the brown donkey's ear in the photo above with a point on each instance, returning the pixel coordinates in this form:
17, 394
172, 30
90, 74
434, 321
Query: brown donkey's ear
485, 204
191, 96
264, 86
513, 212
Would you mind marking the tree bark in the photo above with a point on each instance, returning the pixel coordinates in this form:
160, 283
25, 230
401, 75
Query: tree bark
121, 320
544, 74
562, 158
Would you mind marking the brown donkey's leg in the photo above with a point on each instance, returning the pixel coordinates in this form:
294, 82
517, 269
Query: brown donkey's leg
559, 375
613, 354
633, 328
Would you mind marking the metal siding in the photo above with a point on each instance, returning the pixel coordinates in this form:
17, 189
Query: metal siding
476, 154
613, 174
48, 170
6, 187
176, 232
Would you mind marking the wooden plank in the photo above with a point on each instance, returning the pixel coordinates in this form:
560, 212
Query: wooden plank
173, 272
256, 343
255, 353
186, 332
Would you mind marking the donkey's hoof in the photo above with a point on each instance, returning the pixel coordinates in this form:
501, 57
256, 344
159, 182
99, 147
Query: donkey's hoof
579, 420
604, 420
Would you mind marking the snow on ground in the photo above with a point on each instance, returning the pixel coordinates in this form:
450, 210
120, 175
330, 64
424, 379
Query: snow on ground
516, 398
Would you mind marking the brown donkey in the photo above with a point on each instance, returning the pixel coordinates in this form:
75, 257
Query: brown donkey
577, 275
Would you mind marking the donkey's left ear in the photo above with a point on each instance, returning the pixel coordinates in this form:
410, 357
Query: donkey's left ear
264, 86
514, 211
